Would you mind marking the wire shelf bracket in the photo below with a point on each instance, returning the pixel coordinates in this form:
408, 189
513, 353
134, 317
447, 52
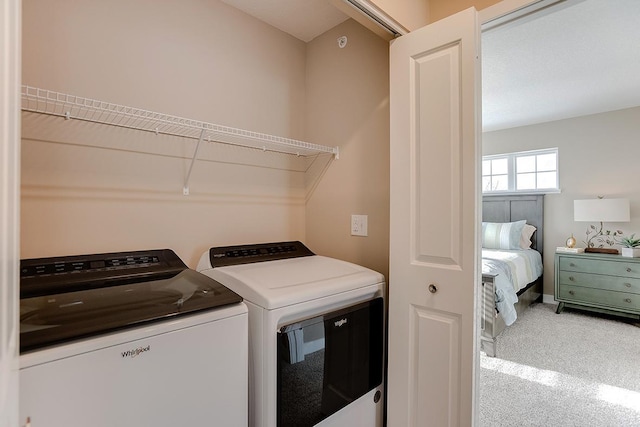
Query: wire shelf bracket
185, 188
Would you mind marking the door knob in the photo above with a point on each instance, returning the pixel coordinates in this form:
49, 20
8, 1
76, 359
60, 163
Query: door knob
432, 288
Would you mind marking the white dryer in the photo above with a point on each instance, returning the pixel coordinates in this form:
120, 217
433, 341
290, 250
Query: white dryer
316, 334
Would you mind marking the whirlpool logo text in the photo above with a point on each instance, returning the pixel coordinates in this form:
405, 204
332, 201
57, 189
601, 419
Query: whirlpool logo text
135, 352
339, 323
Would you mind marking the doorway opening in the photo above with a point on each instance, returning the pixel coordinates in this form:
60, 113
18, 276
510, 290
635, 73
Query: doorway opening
569, 100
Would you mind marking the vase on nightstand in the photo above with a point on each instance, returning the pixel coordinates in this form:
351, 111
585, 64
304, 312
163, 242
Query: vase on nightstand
631, 252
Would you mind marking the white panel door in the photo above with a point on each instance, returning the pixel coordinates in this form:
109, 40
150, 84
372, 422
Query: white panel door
434, 258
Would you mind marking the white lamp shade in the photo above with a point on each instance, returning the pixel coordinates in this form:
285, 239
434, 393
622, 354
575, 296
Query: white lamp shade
601, 210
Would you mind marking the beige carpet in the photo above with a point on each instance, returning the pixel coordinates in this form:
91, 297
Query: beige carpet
568, 369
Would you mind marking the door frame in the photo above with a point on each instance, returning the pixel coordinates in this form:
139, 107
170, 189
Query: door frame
10, 76
502, 13
512, 10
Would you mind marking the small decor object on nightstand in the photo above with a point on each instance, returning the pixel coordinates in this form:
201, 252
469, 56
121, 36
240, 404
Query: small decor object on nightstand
630, 246
566, 250
571, 242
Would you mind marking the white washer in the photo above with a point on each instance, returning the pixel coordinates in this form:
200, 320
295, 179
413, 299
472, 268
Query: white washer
304, 307
130, 339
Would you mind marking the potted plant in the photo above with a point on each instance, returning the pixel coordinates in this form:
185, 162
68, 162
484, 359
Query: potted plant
630, 246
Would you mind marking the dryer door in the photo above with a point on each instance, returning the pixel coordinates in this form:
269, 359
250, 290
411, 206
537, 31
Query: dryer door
327, 362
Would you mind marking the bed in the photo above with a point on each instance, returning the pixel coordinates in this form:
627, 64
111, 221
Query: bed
500, 305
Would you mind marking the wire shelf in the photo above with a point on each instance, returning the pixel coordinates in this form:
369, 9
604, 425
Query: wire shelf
75, 107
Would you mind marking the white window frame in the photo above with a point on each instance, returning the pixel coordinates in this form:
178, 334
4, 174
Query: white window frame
512, 171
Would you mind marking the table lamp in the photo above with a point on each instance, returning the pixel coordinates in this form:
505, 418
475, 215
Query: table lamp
601, 210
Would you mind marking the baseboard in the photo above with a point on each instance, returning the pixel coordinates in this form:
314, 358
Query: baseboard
549, 299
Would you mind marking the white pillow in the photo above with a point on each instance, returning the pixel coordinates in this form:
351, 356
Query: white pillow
502, 235
525, 237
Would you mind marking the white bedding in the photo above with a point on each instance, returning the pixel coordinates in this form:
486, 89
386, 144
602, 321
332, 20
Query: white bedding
515, 269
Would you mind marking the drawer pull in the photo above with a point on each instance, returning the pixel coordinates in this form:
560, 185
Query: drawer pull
571, 293
628, 269
628, 285
572, 279
571, 264
627, 300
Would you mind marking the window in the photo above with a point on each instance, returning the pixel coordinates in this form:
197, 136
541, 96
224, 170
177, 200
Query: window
526, 172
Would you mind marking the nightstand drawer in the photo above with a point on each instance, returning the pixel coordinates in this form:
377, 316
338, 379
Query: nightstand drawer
599, 281
620, 300
613, 267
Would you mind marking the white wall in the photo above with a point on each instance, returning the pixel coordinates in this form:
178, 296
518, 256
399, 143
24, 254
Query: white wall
597, 157
348, 105
91, 188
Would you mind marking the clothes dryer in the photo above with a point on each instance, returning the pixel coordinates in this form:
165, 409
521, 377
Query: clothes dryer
316, 334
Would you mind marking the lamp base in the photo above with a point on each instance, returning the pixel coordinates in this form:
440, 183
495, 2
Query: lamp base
602, 250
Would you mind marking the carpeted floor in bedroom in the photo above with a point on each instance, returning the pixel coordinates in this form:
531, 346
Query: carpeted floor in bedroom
567, 369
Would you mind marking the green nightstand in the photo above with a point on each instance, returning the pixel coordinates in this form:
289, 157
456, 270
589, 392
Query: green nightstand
598, 282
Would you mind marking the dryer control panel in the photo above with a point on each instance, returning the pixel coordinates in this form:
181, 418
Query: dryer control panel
244, 254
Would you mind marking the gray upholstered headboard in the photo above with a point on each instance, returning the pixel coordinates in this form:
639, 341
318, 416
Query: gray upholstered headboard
515, 208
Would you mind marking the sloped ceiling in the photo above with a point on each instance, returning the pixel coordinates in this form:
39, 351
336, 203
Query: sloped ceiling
577, 60
582, 57
303, 19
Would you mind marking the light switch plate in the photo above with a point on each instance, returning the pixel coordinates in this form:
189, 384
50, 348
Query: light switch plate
359, 225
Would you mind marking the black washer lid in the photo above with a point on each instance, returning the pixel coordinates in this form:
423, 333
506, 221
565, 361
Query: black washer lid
148, 286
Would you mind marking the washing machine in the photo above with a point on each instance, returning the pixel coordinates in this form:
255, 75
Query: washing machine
316, 334
129, 339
